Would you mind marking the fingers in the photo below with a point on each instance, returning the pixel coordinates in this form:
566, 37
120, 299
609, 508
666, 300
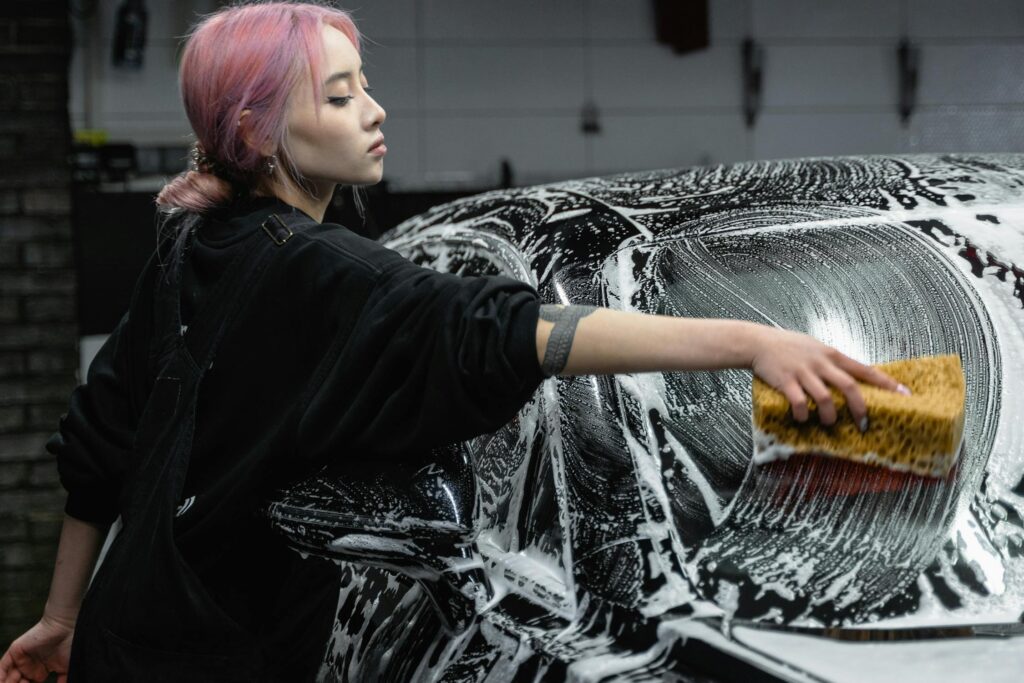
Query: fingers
842, 372
871, 375
822, 397
814, 384
18, 666
854, 399
797, 400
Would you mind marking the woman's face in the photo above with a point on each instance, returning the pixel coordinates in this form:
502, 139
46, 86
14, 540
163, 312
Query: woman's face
336, 149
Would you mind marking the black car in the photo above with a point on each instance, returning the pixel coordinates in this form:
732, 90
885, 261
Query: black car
617, 529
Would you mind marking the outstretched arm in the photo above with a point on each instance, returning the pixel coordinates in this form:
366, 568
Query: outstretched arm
585, 340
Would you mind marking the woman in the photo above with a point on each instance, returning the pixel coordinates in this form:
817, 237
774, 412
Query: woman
334, 347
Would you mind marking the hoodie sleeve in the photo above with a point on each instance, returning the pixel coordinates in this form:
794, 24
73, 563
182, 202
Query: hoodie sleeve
93, 442
432, 359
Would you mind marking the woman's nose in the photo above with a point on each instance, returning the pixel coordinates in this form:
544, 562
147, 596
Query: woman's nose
378, 111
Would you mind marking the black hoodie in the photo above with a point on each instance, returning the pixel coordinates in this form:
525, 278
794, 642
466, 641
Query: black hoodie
351, 353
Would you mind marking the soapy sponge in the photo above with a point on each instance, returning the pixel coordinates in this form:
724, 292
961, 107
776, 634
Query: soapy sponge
921, 433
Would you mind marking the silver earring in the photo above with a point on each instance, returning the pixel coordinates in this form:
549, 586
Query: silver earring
271, 164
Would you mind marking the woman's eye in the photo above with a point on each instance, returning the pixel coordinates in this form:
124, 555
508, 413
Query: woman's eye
342, 101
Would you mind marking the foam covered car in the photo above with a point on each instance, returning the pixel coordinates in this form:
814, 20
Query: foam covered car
617, 528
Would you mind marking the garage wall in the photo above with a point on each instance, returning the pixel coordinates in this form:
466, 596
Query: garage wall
469, 82
38, 335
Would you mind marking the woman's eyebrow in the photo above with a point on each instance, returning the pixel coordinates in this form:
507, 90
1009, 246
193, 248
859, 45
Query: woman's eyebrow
341, 75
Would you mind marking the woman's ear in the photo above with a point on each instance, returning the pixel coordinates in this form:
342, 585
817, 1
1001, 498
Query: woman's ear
244, 129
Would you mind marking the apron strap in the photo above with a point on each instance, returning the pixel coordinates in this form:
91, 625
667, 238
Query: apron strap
225, 302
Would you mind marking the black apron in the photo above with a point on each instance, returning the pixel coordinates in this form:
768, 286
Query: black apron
147, 616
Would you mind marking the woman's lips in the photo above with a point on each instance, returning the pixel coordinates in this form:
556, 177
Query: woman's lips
379, 150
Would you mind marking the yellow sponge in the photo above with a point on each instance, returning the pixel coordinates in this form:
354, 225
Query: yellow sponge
921, 433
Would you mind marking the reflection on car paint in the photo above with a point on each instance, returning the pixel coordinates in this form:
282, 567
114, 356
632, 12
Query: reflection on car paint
617, 514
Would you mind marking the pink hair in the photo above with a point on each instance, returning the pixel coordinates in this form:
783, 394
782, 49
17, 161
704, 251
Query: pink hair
248, 56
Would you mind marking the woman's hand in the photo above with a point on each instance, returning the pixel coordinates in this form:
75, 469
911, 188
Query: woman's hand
797, 364
44, 648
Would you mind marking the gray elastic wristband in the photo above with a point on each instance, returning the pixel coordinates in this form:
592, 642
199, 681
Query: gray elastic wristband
565, 319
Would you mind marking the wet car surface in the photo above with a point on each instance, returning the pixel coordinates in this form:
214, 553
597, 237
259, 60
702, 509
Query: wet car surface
617, 529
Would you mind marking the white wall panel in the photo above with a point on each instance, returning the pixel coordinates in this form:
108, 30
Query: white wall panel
505, 22
402, 137
614, 20
386, 22
392, 73
960, 19
834, 76
645, 76
730, 20
790, 135
668, 141
977, 73
167, 22
473, 147
502, 80
152, 89
821, 19
967, 129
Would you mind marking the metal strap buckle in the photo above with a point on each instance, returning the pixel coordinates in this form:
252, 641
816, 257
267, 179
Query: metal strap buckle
280, 232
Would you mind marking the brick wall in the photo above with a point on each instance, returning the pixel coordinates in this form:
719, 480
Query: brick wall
38, 329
